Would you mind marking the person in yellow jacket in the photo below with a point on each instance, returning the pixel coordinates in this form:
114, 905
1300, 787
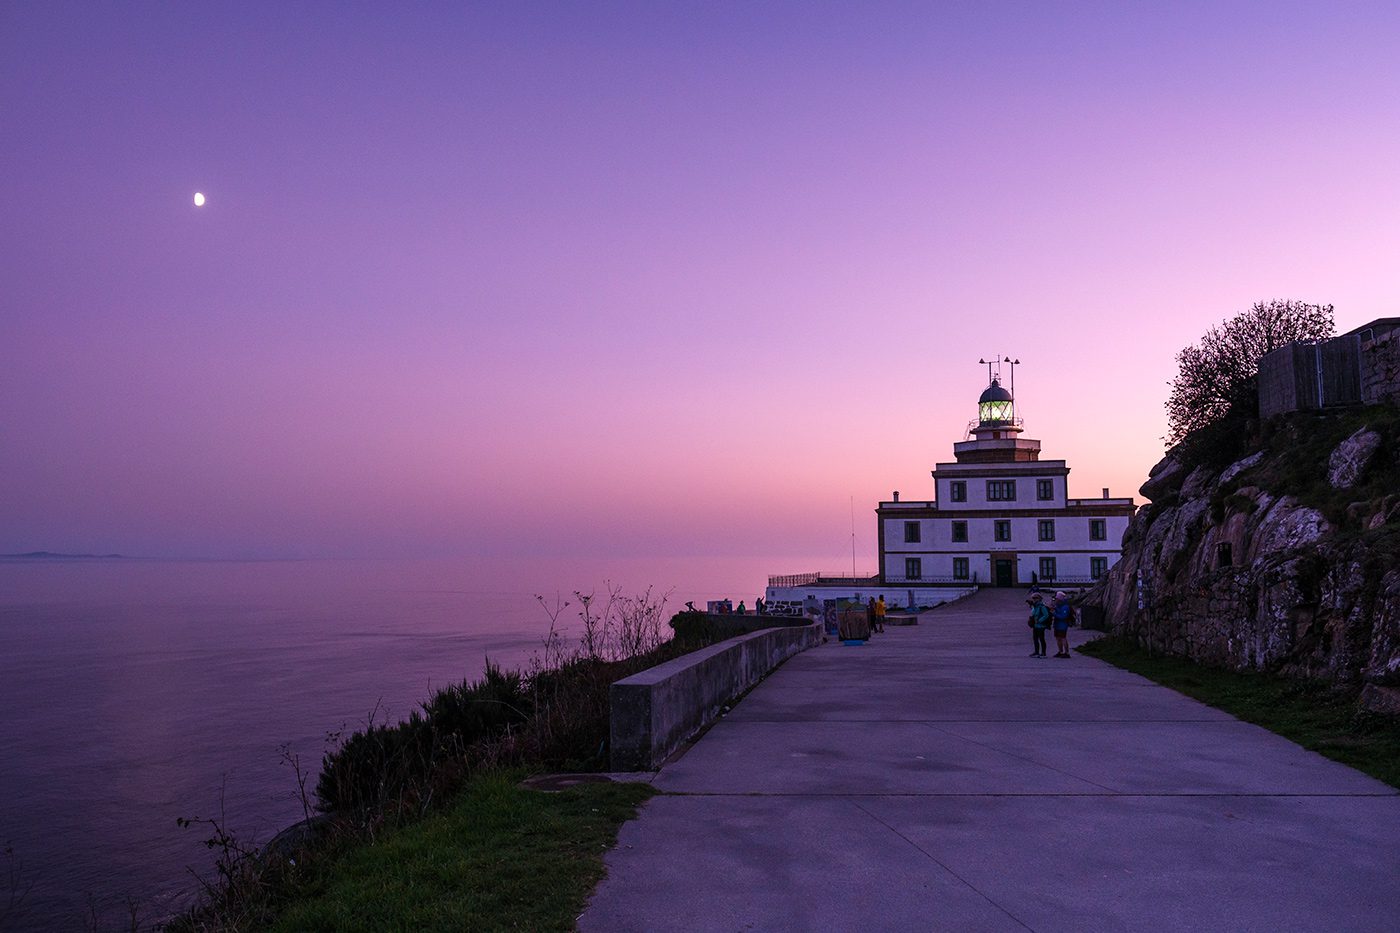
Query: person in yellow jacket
880, 614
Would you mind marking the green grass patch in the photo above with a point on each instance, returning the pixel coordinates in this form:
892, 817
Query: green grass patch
499, 857
1317, 716
1298, 448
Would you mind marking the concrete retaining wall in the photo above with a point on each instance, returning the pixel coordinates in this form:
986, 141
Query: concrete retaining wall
653, 712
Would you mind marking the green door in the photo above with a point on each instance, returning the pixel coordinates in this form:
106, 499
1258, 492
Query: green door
1005, 575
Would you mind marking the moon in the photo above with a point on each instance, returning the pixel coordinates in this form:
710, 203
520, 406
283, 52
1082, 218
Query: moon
198, 199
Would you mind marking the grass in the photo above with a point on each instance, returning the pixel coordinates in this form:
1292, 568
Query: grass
1317, 716
500, 857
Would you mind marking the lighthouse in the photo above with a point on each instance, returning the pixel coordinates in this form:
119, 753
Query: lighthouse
1000, 515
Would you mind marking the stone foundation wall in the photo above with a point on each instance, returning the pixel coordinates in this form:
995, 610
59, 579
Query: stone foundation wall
1380, 368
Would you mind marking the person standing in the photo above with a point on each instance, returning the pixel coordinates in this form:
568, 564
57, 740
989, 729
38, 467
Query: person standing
1039, 621
1063, 616
880, 613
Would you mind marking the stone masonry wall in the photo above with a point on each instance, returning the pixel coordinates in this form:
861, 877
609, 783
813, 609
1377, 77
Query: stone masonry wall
1380, 368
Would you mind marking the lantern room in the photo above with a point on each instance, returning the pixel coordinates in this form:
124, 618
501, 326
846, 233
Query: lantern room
996, 407
995, 435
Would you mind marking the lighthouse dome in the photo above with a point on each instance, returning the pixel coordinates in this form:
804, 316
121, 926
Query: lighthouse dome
994, 393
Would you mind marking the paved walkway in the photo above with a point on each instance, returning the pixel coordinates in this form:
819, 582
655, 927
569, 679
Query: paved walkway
939, 779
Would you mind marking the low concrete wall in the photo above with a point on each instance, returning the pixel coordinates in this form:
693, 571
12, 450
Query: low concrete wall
653, 712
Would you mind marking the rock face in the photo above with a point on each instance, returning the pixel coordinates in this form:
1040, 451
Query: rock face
1351, 458
1230, 568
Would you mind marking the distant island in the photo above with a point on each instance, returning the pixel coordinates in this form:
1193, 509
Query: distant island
50, 555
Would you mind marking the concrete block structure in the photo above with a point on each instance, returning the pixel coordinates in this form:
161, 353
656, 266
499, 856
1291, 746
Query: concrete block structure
1360, 367
654, 711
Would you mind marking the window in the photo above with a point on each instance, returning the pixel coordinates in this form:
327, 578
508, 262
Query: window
913, 568
1002, 531
1098, 566
1224, 556
959, 531
1098, 529
911, 533
959, 568
1047, 568
1001, 490
1047, 529
957, 491
1045, 489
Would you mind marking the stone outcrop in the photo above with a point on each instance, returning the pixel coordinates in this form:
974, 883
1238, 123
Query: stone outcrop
1351, 458
1163, 479
1263, 563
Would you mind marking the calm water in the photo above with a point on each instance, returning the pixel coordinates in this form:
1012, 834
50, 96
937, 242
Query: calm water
136, 692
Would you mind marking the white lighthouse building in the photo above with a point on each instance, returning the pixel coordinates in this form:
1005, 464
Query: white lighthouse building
999, 516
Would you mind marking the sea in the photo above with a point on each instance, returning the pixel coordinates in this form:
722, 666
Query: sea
135, 693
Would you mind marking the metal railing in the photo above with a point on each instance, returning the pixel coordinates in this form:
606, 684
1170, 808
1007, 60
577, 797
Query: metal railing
785, 581
793, 579
819, 578
931, 581
1004, 423
1052, 582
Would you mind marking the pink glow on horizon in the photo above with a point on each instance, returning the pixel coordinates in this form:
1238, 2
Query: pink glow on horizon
642, 281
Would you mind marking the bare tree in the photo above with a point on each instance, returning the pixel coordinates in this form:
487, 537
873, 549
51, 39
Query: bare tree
1219, 377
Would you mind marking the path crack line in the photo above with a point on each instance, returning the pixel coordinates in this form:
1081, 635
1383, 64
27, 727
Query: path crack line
941, 864
1031, 761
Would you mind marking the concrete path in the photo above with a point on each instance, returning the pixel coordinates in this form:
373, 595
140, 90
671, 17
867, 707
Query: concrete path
938, 778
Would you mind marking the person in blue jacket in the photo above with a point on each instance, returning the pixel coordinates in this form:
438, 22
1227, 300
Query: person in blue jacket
1063, 614
1039, 621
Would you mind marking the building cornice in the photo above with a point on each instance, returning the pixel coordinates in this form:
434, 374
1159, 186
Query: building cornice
907, 510
1022, 549
1032, 467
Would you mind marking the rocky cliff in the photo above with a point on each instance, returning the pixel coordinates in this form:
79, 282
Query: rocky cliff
1284, 559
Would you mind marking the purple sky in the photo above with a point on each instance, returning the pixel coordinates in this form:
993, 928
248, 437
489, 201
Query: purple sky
554, 280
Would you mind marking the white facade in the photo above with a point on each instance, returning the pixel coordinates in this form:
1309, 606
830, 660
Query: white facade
1000, 516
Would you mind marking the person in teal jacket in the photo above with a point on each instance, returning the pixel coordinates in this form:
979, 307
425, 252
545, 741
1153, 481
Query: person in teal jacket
1039, 621
1064, 617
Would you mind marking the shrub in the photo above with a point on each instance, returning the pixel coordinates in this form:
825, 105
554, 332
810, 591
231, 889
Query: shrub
387, 769
483, 709
1219, 378
691, 626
